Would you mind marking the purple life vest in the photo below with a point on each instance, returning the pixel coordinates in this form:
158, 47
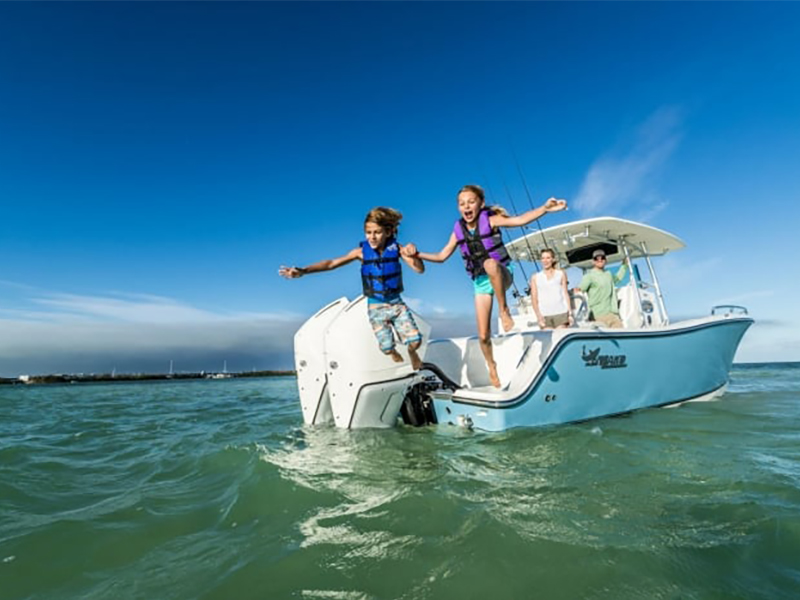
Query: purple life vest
484, 242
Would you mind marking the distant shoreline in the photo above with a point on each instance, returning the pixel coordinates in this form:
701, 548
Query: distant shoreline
133, 377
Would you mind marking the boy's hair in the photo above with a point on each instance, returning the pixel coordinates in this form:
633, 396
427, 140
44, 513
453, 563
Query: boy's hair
478, 191
385, 217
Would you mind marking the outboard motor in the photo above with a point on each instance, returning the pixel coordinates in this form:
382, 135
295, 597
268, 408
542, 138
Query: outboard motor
417, 408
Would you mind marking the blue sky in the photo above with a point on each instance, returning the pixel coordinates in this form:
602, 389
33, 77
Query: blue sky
159, 162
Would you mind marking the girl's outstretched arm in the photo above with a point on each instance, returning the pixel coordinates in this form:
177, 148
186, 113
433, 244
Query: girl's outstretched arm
410, 253
323, 265
552, 205
444, 254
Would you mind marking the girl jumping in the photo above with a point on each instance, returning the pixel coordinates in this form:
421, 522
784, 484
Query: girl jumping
477, 236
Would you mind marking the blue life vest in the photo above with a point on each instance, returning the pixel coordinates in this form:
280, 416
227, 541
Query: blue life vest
482, 243
381, 274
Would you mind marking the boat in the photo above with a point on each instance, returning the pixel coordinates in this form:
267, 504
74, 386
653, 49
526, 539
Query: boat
548, 377
221, 375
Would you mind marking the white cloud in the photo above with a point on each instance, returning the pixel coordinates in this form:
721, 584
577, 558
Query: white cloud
40, 347
422, 307
770, 342
141, 309
129, 308
16, 285
741, 298
71, 333
678, 275
621, 177
81, 333
650, 211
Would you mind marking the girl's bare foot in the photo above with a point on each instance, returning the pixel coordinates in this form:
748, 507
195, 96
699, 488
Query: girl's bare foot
395, 355
493, 378
507, 319
416, 361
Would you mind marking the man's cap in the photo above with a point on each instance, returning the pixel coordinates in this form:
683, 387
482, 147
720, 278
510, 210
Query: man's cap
599, 252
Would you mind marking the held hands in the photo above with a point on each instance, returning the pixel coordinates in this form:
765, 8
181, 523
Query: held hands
409, 250
555, 205
290, 272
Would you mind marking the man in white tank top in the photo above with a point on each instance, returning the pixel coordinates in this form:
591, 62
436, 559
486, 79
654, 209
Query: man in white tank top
549, 294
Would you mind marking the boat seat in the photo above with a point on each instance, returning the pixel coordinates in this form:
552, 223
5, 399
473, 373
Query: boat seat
537, 348
448, 355
629, 310
462, 361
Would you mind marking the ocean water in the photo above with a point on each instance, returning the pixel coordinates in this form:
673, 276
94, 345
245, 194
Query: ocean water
215, 490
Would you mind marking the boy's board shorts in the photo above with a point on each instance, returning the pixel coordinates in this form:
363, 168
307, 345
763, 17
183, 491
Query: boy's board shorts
483, 285
383, 316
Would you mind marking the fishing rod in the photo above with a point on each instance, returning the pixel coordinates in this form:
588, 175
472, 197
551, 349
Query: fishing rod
528, 193
515, 293
524, 237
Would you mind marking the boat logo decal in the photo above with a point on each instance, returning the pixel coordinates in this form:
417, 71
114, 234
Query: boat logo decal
593, 358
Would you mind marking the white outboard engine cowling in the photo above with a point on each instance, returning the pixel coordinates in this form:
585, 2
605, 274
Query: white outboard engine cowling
309, 362
341, 369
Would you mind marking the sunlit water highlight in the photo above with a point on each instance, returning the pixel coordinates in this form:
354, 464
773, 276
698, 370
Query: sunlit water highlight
214, 489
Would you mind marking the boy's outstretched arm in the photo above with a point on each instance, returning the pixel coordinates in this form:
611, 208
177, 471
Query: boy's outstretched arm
410, 254
444, 254
552, 205
323, 265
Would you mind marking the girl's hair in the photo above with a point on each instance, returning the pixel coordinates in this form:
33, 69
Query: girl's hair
551, 252
478, 191
475, 189
387, 218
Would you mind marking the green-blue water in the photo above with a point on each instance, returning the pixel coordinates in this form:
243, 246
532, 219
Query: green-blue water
214, 489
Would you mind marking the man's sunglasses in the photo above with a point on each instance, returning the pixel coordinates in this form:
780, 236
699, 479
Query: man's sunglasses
599, 258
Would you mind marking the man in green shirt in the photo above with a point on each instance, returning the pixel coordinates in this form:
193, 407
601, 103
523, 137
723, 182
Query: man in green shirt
599, 287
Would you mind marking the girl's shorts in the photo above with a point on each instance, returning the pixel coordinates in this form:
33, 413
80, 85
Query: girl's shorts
483, 284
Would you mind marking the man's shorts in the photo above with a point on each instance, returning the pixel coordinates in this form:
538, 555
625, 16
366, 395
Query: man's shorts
483, 284
610, 320
383, 316
553, 321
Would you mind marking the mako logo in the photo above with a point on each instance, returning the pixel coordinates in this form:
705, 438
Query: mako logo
593, 358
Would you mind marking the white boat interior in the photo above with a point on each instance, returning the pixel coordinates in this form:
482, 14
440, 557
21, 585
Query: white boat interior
516, 355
